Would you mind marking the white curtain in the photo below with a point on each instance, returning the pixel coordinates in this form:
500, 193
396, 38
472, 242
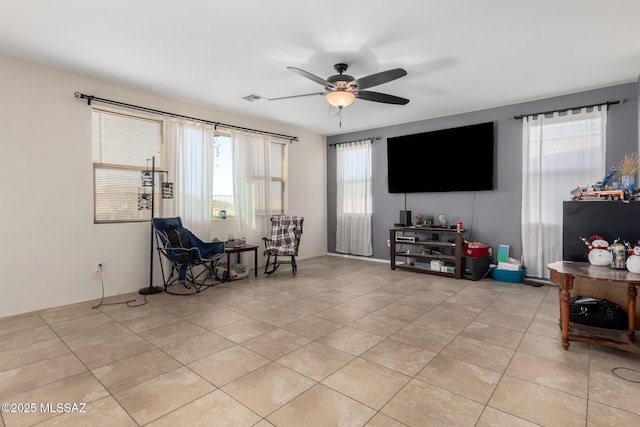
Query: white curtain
189, 155
559, 153
251, 186
354, 203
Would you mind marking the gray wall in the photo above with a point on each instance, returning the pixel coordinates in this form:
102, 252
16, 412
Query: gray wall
492, 217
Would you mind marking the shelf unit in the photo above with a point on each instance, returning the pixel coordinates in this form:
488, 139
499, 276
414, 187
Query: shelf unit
427, 238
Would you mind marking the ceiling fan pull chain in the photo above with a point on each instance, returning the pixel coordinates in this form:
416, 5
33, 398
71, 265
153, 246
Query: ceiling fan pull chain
340, 114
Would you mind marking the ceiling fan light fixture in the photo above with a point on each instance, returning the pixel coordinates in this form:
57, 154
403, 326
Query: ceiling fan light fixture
340, 98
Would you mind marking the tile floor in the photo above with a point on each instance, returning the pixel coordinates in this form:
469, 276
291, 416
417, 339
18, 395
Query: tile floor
344, 343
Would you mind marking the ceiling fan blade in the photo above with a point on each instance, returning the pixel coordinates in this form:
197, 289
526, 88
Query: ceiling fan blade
381, 97
378, 78
295, 96
312, 77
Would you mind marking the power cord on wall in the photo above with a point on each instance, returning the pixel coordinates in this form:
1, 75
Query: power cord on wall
473, 211
129, 303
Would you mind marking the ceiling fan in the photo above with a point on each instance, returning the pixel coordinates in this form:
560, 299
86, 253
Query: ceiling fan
341, 89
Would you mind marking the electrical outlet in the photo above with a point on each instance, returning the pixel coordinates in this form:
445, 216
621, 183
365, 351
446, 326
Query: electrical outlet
99, 266
388, 243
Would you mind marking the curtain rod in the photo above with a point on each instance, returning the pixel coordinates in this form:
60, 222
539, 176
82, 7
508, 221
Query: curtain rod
91, 98
521, 116
350, 142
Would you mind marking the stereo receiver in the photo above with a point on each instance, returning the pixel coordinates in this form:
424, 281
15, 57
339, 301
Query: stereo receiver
406, 239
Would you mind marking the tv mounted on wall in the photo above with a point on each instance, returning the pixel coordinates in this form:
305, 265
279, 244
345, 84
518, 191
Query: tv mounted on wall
457, 159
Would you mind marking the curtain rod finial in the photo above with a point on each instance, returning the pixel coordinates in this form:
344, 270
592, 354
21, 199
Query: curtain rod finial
83, 96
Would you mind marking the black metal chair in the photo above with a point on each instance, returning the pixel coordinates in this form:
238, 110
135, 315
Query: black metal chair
193, 262
286, 232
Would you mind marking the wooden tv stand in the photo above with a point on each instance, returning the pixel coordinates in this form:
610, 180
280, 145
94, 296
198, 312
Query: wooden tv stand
427, 238
563, 274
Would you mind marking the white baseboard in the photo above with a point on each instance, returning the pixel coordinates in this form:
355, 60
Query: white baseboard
362, 258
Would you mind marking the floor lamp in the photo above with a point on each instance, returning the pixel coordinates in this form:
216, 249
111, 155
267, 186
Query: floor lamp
147, 201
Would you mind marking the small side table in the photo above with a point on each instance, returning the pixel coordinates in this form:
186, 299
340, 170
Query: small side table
239, 250
563, 274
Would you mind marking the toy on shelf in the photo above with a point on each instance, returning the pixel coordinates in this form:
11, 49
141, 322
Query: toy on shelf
618, 255
610, 188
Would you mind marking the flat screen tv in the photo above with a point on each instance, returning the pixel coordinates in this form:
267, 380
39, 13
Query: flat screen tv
457, 159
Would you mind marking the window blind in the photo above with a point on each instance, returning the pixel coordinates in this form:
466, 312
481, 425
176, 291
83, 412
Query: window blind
122, 146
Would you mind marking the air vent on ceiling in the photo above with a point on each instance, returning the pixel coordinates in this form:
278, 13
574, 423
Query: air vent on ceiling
252, 97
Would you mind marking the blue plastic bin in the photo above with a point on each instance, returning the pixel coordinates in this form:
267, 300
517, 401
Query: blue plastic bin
509, 275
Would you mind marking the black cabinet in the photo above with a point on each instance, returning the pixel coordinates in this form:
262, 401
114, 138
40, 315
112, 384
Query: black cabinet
609, 219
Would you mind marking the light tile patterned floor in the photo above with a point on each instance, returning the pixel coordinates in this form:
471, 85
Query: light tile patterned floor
344, 342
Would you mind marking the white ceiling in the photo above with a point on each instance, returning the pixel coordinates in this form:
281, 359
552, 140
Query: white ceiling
460, 56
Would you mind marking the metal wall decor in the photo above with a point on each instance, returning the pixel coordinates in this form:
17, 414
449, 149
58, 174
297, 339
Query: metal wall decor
145, 199
167, 190
147, 178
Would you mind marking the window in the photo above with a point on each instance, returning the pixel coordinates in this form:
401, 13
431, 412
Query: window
122, 147
223, 176
559, 153
222, 197
354, 198
277, 166
355, 179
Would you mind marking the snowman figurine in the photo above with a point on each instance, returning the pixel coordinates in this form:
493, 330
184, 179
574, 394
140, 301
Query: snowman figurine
598, 253
633, 260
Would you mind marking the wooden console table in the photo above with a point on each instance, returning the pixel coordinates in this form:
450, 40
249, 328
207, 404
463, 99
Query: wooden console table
563, 274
